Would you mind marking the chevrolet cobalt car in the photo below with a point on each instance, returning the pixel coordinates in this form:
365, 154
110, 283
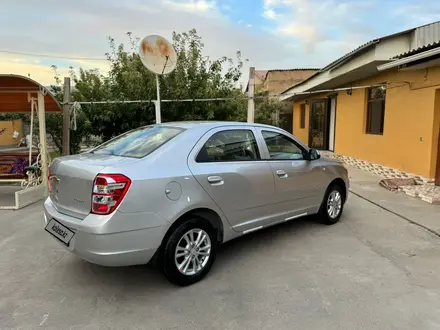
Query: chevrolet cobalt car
173, 192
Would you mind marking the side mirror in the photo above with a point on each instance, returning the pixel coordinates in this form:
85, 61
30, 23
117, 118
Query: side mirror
314, 154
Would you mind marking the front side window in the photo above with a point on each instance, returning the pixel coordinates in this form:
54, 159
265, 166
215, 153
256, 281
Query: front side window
376, 110
281, 147
138, 143
229, 146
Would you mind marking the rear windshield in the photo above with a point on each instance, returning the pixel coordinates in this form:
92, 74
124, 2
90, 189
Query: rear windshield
138, 143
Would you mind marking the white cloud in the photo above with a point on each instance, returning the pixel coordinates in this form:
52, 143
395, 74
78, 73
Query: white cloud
270, 14
193, 6
270, 3
305, 32
38, 72
87, 25
44, 73
312, 22
227, 8
418, 13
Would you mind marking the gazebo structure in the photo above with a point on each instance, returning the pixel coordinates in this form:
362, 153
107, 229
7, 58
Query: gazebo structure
19, 94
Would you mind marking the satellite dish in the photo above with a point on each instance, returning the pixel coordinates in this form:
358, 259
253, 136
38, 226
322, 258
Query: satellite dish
157, 54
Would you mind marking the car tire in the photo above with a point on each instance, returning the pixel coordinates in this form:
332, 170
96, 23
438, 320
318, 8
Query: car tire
332, 205
189, 273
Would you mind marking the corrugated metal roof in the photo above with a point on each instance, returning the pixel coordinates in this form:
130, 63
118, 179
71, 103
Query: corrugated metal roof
296, 69
425, 30
418, 50
365, 46
277, 80
299, 74
344, 58
426, 35
261, 73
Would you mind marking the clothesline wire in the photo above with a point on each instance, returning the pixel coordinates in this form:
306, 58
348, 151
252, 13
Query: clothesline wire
53, 56
225, 98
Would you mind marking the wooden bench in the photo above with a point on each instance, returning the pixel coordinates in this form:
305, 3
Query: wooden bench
13, 165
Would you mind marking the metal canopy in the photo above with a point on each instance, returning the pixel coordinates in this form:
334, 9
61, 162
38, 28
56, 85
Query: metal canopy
22, 94
16, 91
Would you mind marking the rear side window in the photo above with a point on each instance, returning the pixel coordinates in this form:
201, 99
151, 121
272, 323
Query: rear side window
229, 146
138, 143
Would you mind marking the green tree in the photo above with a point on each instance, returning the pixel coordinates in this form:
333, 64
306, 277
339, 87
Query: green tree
54, 121
266, 109
196, 76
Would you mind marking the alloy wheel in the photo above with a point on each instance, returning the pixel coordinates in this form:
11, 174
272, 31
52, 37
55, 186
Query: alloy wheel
334, 204
192, 252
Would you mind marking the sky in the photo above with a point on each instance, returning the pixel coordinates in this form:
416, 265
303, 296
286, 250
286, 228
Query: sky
271, 34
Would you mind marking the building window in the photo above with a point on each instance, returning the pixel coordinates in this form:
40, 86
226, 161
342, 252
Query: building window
302, 116
376, 110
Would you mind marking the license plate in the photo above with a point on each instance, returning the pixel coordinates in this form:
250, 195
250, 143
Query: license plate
59, 231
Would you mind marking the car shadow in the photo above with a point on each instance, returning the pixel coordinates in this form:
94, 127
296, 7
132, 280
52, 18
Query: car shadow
148, 279
250, 245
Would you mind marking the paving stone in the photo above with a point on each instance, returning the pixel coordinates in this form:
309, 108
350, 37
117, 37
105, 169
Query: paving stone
430, 199
425, 188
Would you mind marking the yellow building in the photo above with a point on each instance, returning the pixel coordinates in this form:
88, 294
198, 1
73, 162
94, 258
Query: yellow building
7, 130
379, 104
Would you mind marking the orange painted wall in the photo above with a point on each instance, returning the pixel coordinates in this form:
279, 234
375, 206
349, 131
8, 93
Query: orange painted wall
11, 126
435, 135
300, 133
408, 140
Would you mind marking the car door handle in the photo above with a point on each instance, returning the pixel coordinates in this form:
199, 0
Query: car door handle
282, 174
215, 180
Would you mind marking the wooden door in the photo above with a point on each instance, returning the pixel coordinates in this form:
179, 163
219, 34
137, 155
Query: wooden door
318, 128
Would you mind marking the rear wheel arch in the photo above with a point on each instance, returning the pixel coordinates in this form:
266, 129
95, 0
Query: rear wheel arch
202, 213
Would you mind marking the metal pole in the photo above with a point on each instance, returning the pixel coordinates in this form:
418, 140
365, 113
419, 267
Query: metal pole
157, 103
66, 117
31, 133
251, 102
43, 144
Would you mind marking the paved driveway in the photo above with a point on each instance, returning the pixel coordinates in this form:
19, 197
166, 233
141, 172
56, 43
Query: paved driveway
373, 270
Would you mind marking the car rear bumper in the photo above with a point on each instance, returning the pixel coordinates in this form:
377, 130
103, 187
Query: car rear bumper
98, 244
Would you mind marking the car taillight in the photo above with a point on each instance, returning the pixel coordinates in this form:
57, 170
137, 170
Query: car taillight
108, 192
49, 185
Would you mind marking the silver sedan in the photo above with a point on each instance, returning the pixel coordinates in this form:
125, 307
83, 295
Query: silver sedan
171, 193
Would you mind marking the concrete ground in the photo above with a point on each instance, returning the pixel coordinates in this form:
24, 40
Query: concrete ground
7, 195
372, 270
366, 185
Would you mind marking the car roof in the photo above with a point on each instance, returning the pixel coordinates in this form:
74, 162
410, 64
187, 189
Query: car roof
210, 124
203, 126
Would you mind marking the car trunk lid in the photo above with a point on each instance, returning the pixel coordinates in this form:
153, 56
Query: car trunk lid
72, 177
